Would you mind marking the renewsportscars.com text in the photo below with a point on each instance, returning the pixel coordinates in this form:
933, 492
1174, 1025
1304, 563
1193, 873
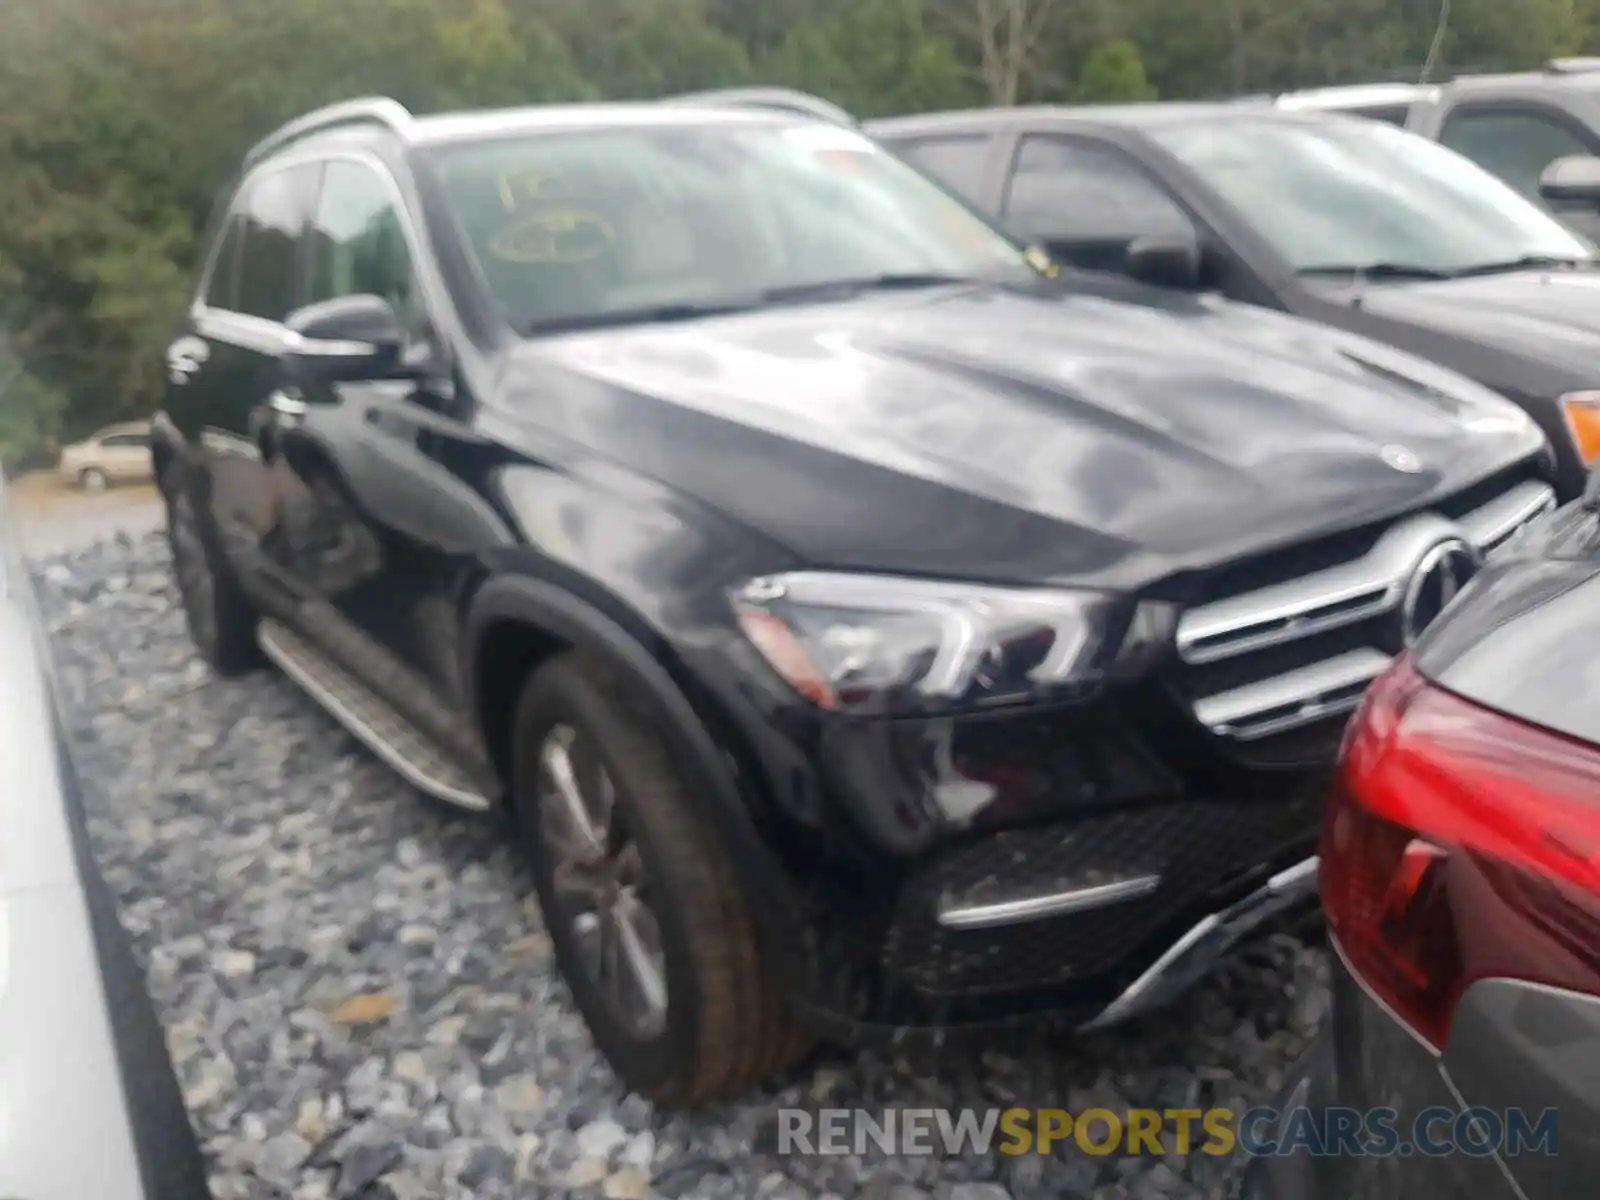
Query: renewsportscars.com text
1256, 1132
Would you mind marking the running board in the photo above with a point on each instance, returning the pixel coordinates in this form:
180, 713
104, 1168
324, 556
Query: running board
371, 719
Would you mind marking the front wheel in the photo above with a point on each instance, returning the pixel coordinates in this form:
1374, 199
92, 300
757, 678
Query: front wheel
222, 623
649, 924
92, 480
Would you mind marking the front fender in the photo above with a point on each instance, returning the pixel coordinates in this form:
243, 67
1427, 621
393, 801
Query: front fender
565, 619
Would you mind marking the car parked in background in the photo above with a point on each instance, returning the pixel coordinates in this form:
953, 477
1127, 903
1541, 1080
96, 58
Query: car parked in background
115, 454
1515, 126
91, 1106
1461, 881
871, 626
1349, 222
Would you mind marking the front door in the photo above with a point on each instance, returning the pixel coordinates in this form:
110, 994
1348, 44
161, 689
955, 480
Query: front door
226, 357
368, 507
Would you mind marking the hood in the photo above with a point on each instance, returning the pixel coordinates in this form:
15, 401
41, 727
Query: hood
994, 434
1551, 317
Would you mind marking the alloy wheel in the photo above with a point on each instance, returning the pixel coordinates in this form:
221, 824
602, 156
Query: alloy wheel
599, 881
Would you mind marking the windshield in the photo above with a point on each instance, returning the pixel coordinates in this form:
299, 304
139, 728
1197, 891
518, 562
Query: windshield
1349, 194
573, 227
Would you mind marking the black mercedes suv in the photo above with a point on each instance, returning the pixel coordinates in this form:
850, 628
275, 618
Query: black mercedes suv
867, 624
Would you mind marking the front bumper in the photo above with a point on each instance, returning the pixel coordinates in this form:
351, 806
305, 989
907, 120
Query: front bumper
1069, 968
1081, 864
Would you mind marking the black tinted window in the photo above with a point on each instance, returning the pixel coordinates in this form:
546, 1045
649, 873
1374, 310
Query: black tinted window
358, 244
1515, 144
1065, 191
222, 289
126, 439
955, 161
275, 214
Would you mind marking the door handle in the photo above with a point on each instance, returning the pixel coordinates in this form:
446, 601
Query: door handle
286, 406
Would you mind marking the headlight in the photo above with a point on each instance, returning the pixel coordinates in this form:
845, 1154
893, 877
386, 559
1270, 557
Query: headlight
1582, 413
869, 643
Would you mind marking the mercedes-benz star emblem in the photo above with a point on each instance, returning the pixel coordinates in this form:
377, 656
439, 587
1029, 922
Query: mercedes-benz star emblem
1439, 575
1401, 459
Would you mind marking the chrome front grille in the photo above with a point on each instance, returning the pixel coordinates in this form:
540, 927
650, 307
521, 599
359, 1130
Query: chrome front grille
1289, 654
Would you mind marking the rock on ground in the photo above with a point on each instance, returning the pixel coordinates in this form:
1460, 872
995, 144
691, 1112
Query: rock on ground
360, 1002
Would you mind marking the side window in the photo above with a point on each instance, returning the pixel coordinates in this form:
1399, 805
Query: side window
358, 242
957, 162
1065, 192
274, 214
1516, 144
126, 440
222, 289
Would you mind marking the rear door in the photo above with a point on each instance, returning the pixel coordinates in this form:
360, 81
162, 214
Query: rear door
226, 360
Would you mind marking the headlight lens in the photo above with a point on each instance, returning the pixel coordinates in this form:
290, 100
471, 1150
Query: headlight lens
870, 643
1582, 413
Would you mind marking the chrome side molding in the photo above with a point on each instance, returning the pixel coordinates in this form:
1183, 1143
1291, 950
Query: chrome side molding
1055, 904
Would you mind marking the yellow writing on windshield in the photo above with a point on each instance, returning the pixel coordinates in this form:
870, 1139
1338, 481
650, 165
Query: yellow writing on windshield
527, 183
562, 234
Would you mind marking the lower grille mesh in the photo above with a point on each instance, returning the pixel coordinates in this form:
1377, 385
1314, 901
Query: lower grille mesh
1199, 849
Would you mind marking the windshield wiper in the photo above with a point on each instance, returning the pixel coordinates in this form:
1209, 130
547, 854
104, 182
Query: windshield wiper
871, 283
1378, 270
1527, 262
638, 316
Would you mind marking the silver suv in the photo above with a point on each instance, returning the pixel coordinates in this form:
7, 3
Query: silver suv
1539, 131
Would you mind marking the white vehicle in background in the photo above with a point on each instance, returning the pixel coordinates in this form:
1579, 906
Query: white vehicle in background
89, 1105
115, 454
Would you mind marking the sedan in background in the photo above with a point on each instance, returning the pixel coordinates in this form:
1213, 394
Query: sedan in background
116, 454
1460, 873
1354, 223
89, 1104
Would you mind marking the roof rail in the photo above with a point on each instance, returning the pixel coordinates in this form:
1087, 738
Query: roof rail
775, 99
369, 110
1572, 66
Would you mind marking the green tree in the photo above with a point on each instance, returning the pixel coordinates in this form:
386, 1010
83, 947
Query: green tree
1113, 73
873, 57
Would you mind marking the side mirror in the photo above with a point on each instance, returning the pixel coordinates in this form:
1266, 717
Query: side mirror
1165, 261
350, 337
1573, 180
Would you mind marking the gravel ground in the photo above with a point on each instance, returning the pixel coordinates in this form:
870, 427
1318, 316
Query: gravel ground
360, 1001
52, 519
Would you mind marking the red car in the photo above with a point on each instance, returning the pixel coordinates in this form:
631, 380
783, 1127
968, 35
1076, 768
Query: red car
1460, 872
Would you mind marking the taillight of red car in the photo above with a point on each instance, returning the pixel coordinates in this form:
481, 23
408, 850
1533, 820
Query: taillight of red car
1460, 844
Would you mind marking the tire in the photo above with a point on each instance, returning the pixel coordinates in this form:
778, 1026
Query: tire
93, 480
222, 624
726, 1026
